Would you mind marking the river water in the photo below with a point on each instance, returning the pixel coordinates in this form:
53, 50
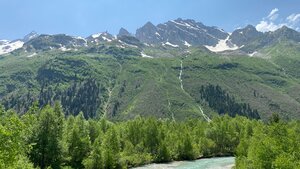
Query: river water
208, 163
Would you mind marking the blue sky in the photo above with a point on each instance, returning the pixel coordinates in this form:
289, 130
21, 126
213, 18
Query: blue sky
85, 17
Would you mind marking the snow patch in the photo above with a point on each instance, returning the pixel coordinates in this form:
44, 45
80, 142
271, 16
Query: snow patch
156, 33
2, 42
103, 36
8, 47
120, 46
126, 44
106, 39
185, 25
187, 44
253, 54
223, 45
96, 35
145, 56
79, 37
63, 48
221, 30
29, 56
170, 44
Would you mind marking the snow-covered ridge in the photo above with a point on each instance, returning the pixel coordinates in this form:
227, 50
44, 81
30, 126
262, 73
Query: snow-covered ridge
104, 36
96, 35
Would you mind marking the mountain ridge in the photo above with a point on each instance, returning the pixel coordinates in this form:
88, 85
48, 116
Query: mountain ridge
177, 33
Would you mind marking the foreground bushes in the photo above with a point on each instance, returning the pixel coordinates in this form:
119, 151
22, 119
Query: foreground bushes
45, 138
276, 145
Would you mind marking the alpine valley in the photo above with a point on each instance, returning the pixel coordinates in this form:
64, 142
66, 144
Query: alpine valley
177, 70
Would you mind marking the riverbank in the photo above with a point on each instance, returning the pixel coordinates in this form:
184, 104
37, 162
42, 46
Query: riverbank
205, 163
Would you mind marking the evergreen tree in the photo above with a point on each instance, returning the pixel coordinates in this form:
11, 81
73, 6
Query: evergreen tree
111, 149
46, 148
95, 160
79, 142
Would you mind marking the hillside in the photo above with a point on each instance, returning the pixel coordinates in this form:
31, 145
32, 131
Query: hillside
175, 77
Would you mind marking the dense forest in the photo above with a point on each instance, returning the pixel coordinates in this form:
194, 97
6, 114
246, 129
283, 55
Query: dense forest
220, 101
45, 138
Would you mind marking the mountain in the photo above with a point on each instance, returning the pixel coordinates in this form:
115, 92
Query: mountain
9, 46
281, 35
49, 42
245, 35
123, 32
30, 36
100, 38
130, 40
180, 32
178, 70
148, 34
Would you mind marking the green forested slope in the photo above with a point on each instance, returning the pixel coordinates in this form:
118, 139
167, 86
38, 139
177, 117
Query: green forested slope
118, 84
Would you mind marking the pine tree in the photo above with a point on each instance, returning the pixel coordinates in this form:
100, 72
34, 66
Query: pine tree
111, 149
47, 149
79, 142
95, 160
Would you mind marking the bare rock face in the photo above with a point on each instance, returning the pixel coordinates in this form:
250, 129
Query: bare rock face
245, 35
180, 32
123, 32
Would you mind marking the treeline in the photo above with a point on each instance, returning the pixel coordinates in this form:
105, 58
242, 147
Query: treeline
45, 138
220, 101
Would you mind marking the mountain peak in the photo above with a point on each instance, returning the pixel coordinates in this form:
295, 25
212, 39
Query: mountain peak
285, 28
285, 33
179, 19
30, 36
123, 32
147, 33
245, 35
149, 24
250, 27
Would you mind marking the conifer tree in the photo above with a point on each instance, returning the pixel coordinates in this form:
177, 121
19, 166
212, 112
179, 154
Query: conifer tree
47, 149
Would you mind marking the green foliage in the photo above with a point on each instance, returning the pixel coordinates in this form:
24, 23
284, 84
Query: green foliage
223, 103
79, 142
46, 146
121, 85
12, 145
95, 160
45, 139
186, 149
271, 146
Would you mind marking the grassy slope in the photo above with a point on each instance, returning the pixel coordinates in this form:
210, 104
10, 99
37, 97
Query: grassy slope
246, 77
150, 87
